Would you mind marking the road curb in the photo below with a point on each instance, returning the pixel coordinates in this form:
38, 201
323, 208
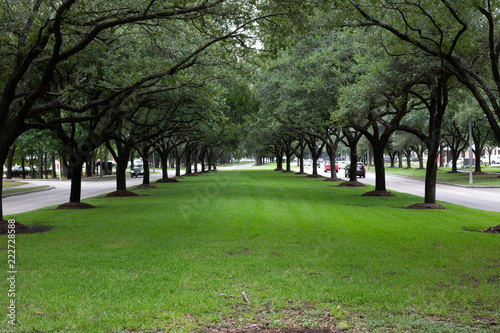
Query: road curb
26, 192
450, 184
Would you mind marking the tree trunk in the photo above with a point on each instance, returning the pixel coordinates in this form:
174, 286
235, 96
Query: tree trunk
315, 153
431, 174
378, 159
314, 164
441, 155
88, 166
105, 162
10, 158
278, 152
23, 168
392, 156
301, 149
353, 172
408, 158
202, 161
121, 156
420, 155
352, 138
121, 175
46, 160
331, 150
76, 182
40, 166
178, 158
289, 155
145, 164
214, 163
187, 156
53, 158
164, 166
65, 172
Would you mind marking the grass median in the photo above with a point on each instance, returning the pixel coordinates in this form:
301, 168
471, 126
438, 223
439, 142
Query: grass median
489, 178
304, 253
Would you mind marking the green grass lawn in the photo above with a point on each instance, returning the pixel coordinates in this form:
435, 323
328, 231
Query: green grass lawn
305, 253
12, 190
460, 178
10, 184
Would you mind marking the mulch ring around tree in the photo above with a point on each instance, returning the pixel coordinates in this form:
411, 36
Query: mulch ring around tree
378, 194
333, 179
315, 176
352, 184
166, 180
491, 230
121, 194
425, 206
75, 205
145, 187
22, 229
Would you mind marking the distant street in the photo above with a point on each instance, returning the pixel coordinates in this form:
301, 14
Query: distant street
479, 198
60, 193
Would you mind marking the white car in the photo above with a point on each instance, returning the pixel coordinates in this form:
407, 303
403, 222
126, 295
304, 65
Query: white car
495, 159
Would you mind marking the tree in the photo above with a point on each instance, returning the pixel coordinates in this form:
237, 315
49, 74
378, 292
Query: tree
460, 35
40, 40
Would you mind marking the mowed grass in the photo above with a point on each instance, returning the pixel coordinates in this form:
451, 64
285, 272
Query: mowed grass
305, 253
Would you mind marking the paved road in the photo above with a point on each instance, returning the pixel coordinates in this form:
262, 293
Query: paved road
60, 193
480, 198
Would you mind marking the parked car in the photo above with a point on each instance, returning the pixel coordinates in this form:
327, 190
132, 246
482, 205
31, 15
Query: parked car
360, 170
136, 172
328, 167
495, 159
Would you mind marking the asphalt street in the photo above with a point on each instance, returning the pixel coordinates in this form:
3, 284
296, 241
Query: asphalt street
473, 197
479, 198
59, 193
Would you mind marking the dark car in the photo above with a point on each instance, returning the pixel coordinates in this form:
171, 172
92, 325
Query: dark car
360, 170
136, 172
